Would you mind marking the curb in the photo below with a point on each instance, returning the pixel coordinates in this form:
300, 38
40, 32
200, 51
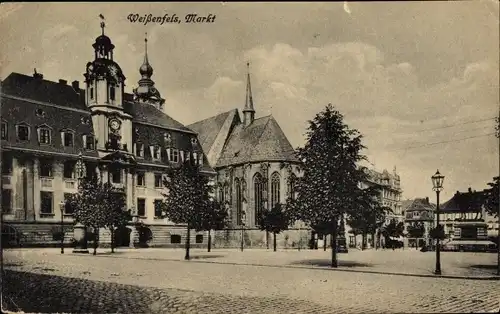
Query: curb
491, 277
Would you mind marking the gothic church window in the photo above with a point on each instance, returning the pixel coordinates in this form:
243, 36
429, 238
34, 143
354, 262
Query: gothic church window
221, 193
258, 194
239, 200
275, 189
291, 186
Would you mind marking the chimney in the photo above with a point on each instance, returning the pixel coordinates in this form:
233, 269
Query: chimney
37, 75
427, 199
470, 190
64, 82
76, 86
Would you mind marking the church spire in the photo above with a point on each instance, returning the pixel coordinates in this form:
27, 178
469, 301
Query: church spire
248, 110
146, 91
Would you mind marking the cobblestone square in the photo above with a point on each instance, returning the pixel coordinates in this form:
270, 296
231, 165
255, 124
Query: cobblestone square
229, 281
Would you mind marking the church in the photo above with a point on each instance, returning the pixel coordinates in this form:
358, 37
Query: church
54, 133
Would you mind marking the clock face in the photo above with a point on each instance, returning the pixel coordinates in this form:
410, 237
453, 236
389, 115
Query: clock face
114, 124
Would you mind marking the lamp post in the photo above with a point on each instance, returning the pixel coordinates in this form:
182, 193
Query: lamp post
437, 182
61, 207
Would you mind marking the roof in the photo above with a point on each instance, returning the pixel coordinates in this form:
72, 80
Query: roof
145, 113
209, 128
470, 201
418, 204
263, 140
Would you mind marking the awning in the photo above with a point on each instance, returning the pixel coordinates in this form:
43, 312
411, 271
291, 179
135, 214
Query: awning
470, 242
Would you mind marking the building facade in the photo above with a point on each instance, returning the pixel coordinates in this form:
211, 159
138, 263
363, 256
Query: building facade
419, 220
390, 196
50, 129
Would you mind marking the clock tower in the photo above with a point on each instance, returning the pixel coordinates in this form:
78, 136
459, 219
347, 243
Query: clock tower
104, 89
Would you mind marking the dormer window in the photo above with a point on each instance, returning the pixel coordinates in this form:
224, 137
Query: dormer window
89, 142
174, 157
4, 131
23, 132
155, 152
44, 135
67, 138
194, 141
139, 150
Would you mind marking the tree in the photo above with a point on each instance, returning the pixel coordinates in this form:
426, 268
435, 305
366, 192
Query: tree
416, 229
213, 217
186, 198
117, 216
93, 202
274, 221
492, 197
328, 187
368, 214
394, 229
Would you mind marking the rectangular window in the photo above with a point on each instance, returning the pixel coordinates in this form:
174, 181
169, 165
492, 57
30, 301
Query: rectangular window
156, 152
91, 93
116, 176
175, 239
23, 132
44, 136
68, 139
68, 210
175, 155
69, 170
199, 238
112, 92
46, 168
4, 131
141, 207
157, 205
46, 202
6, 164
141, 179
89, 141
158, 180
6, 200
139, 150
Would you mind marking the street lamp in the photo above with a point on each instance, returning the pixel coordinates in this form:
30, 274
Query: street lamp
437, 183
61, 207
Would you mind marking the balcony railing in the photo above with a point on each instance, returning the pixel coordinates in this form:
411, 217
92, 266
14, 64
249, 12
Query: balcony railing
6, 180
46, 182
69, 184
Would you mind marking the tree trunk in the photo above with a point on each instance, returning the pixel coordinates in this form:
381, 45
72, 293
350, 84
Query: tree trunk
333, 244
96, 236
209, 241
374, 243
363, 241
274, 241
324, 243
267, 240
187, 244
112, 240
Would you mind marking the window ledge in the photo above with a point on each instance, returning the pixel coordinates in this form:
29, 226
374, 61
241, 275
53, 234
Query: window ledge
46, 215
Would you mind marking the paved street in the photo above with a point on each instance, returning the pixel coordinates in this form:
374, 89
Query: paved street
153, 281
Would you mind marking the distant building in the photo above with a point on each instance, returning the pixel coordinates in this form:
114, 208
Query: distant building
390, 196
419, 220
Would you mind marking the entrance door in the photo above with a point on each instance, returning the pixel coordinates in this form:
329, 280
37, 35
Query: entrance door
122, 236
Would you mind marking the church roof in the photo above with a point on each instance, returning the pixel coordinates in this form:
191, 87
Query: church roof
209, 128
263, 140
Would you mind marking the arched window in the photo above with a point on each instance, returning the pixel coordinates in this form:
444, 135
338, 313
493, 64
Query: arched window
275, 189
291, 186
239, 200
221, 193
226, 193
258, 197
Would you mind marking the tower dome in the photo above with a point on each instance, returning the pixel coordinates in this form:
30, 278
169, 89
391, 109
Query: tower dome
146, 70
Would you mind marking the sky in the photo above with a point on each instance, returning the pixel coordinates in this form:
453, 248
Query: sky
419, 80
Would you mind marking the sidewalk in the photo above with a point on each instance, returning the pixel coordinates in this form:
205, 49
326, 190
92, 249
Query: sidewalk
479, 266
